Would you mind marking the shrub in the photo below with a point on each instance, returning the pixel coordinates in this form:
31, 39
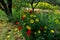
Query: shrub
37, 26
44, 5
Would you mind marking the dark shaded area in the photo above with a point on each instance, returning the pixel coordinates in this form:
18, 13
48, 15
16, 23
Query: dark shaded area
6, 7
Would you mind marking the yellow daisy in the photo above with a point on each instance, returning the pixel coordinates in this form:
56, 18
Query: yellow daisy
39, 31
8, 36
52, 31
16, 29
31, 21
28, 27
31, 15
37, 19
24, 15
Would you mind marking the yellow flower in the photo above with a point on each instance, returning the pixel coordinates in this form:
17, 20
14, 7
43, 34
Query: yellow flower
31, 15
52, 31
34, 32
8, 36
34, 15
28, 27
37, 19
24, 15
16, 29
39, 31
31, 21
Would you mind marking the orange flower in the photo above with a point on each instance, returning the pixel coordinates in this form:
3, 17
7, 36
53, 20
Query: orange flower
28, 27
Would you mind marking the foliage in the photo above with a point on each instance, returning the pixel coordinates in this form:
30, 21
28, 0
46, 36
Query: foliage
45, 5
37, 26
40, 5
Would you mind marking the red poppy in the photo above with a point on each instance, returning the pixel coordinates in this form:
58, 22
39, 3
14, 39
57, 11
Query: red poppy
20, 28
28, 32
31, 11
17, 23
23, 18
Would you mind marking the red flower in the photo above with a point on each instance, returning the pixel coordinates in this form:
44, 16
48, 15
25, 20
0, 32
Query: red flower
20, 28
17, 23
23, 18
31, 11
28, 32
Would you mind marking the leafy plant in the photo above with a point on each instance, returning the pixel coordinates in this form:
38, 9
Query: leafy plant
38, 26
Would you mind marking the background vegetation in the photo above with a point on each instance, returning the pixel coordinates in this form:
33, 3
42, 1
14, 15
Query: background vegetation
25, 10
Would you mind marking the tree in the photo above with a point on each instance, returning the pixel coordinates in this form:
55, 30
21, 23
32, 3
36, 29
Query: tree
31, 2
6, 6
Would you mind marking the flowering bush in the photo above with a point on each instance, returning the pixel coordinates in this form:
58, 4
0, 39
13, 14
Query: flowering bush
31, 25
38, 26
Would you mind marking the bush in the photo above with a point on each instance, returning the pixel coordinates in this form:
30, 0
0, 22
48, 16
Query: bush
44, 5
41, 5
37, 26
